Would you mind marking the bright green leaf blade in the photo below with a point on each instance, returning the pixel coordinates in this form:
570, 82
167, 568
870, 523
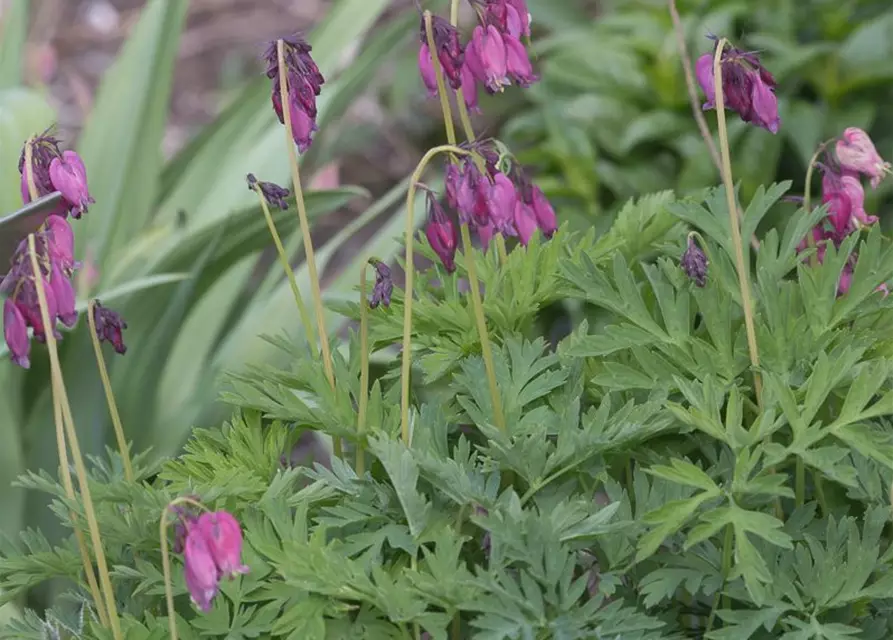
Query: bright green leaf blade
13, 34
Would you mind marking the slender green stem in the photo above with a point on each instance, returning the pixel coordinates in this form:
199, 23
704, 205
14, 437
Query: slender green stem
364, 374
83, 550
72, 438
289, 272
305, 229
743, 267
456, 631
807, 189
500, 249
123, 447
410, 272
486, 351
441, 85
725, 570
820, 492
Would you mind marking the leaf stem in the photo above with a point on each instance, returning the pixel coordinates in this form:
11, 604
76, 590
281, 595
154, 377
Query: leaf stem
486, 351
72, 438
289, 272
409, 269
123, 446
364, 374
742, 266
305, 230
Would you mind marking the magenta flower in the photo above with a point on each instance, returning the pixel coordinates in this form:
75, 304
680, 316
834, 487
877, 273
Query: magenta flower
304, 84
544, 213
426, 70
501, 199
485, 233
856, 153
517, 63
845, 198
441, 234
449, 49
519, 8
469, 89
69, 176
748, 87
15, 331
63, 292
60, 242
199, 568
525, 221
488, 58
224, 537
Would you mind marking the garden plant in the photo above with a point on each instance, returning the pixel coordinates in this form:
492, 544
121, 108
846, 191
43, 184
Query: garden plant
712, 458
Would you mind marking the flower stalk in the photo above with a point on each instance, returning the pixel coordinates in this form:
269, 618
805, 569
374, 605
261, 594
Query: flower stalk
363, 401
441, 84
807, 188
123, 446
71, 433
734, 224
289, 272
305, 229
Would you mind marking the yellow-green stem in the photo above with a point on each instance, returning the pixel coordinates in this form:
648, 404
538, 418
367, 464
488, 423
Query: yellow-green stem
289, 272
166, 562
305, 229
807, 188
486, 350
743, 267
64, 470
83, 550
441, 84
123, 447
72, 438
410, 271
364, 374
500, 248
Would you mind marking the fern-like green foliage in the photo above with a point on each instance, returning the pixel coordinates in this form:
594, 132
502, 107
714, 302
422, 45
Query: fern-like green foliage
642, 489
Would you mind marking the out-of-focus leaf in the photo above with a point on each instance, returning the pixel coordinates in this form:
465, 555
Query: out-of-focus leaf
23, 113
13, 34
12, 461
121, 141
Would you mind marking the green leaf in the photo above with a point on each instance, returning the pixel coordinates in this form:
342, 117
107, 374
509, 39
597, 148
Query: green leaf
121, 141
404, 474
684, 472
13, 35
669, 519
23, 113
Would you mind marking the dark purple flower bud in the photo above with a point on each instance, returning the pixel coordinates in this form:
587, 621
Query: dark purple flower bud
224, 537
272, 193
109, 327
426, 70
694, 263
384, 285
64, 294
489, 60
15, 331
517, 63
69, 176
441, 234
200, 570
44, 149
501, 200
449, 49
304, 84
525, 221
544, 213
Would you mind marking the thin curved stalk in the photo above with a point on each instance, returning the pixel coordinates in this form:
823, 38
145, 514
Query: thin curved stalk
742, 266
807, 189
441, 85
166, 561
363, 401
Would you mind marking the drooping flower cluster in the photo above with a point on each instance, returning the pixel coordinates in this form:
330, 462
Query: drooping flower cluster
854, 155
304, 82
748, 87
494, 57
500, 199
51, 171
212, 550
56, 170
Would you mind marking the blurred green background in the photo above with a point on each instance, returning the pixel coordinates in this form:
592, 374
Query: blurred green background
166, 103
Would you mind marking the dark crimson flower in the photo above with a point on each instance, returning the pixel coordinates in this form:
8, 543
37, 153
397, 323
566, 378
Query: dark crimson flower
441, 234
272, 192
749, 88
384, 285
694, 263
856, 153
449, 52
109, 327
304, 84
15, 331
224, 537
